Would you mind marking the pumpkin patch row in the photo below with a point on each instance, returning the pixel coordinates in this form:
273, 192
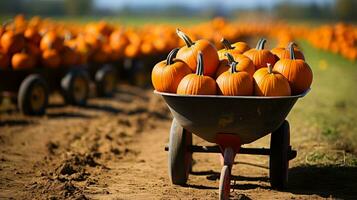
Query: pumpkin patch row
25, 44
198, 68
43, 42
339, 39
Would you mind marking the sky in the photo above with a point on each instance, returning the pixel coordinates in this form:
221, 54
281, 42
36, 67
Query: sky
115, 4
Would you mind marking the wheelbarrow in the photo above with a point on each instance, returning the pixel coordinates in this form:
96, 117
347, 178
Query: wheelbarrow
229, 122
31, 88
104, 76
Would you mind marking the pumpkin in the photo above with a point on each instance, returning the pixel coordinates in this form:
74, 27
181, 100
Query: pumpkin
197, 84
297, 71
51, 41
166, 75
32, 35
268, 82
234, 82
282, 53
95, 41
189, 52
236, 48
132, 50
12, 42
118, 40
147, 48
51, 58
22, 60
3, 27
244, 64
260, 56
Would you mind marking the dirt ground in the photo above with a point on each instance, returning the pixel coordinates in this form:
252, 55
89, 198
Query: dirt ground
114, 149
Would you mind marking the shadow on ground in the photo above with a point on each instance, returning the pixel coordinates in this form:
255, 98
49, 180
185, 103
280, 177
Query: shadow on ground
15, 122
326, 181
103, 108
57, 115
336, 181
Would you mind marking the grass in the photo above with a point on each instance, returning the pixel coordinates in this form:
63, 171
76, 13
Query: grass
331, 106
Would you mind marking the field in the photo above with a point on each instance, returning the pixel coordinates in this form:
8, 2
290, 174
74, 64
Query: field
114, 148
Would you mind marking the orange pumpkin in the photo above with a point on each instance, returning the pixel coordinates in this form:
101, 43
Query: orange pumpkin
244, 64
22, 60
132, 50
234, 49
51, 41
12, 42
189, 52
118, 40
32, 35
297, 71
95, 40
260, 56
51, 58
197, 84
166, 75
282, 53
234, 82
270, 83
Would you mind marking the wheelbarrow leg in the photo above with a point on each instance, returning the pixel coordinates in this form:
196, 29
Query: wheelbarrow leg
225, 178
279, 158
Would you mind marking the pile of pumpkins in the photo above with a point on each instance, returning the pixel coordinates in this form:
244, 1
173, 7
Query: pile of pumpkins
38, 42
236, 70
339, 39
25, 45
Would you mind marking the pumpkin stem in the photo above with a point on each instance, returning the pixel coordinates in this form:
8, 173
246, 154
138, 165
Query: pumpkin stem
185, 38
261, 44
171, 56
227, 45
68, 36
232, 62
270, 68
200, 68
258, 43
291, 49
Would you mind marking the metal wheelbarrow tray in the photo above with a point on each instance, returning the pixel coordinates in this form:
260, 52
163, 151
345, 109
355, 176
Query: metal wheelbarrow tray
229, 121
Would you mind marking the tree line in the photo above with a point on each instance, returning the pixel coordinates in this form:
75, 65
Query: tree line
338, 10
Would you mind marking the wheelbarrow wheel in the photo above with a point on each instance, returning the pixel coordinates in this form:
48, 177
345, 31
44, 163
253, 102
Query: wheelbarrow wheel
180, 157
75, 86
33, 95
105, 80
225, 183
279, 161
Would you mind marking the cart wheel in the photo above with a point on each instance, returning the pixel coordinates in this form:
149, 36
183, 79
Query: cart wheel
140, 75
105, 80
279, 161
180, 158
225, 183
75, 87
33, 95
